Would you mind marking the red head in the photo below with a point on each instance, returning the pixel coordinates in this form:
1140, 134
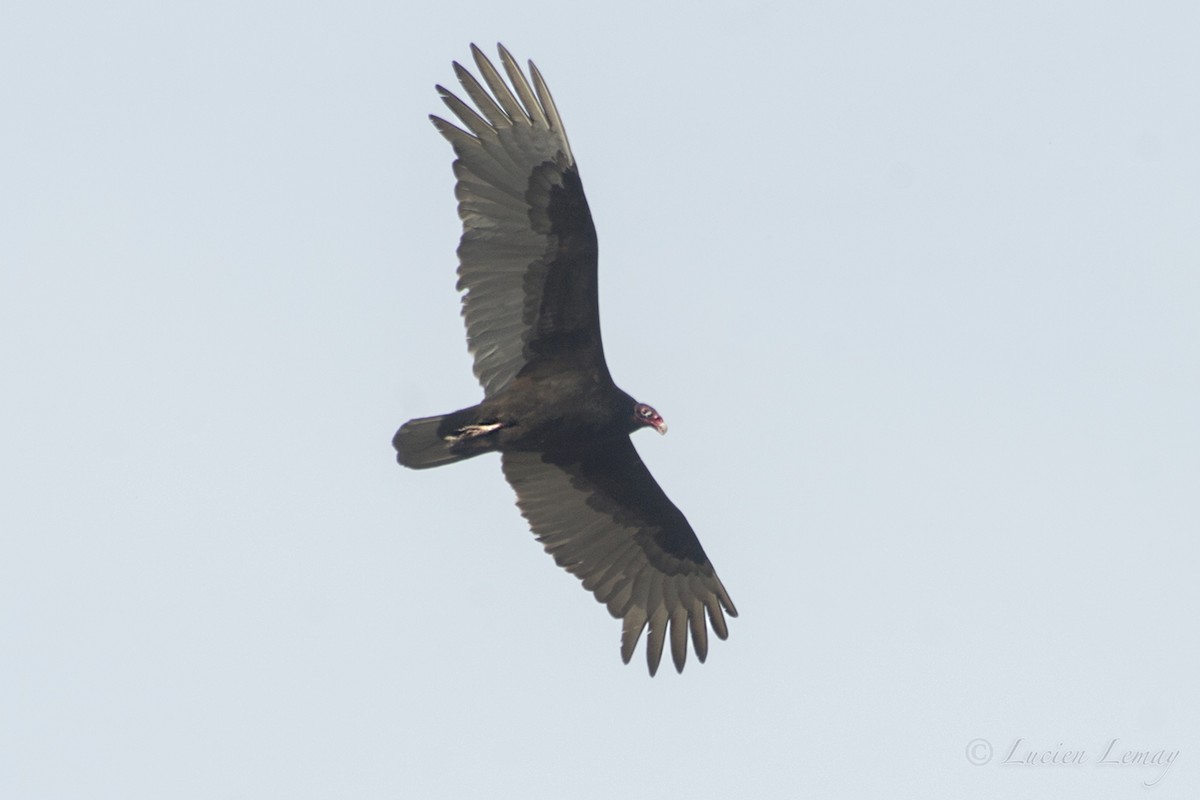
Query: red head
646, 415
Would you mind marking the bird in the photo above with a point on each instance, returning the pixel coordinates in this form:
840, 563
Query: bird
528, 276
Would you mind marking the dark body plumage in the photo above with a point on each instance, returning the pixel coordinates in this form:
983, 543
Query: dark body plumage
528, 261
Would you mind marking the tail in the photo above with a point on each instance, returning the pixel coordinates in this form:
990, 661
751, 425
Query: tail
423, 443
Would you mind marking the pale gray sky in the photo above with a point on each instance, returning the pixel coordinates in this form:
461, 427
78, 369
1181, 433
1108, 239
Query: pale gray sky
917, 287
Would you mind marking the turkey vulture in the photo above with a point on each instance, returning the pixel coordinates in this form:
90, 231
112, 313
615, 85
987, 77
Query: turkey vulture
527, 268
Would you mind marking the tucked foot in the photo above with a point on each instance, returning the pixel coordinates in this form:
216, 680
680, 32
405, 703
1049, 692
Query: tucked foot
472, 431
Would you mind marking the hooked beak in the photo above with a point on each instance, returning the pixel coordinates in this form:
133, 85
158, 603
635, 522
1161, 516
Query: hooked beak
659, 425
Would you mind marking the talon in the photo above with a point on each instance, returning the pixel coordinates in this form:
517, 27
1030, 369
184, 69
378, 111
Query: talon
471, 431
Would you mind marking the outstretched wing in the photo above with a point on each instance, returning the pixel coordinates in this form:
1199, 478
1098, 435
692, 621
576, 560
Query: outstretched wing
603, 517
527, 259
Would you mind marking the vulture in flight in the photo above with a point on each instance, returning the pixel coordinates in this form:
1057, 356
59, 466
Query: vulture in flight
527, 270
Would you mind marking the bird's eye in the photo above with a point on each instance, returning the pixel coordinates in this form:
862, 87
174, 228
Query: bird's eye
646, 411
